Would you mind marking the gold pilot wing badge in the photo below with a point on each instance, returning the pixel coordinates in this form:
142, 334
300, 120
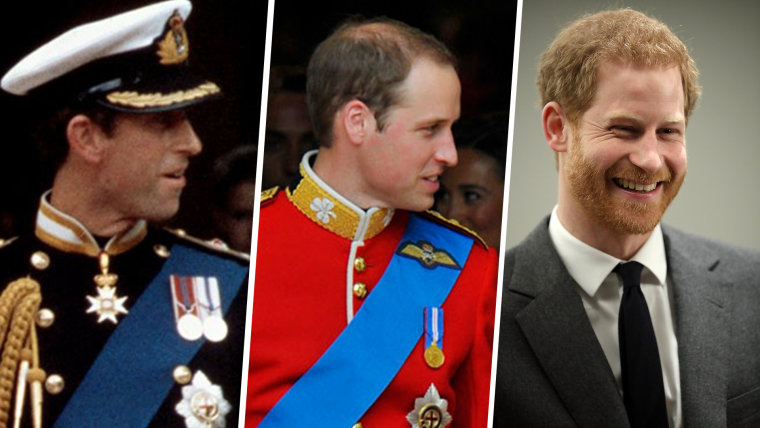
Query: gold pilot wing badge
427, 255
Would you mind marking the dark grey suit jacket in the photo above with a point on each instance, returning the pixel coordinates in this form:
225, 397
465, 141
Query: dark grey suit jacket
552, 371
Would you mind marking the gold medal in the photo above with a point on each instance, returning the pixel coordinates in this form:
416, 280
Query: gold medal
434, 356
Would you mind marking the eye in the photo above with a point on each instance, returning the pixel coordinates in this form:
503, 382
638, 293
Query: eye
170, 119
670, 131
623, 129
472, 197
430, 129
670, 134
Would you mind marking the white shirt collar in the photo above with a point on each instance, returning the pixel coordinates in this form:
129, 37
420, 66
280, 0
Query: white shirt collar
589, 266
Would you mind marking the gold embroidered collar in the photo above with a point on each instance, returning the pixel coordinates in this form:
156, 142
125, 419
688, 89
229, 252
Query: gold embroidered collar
326, 207
65, 233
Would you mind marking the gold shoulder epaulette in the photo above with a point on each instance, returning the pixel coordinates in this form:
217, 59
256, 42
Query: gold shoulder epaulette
6, 242
268, 195
215, 245
453, 224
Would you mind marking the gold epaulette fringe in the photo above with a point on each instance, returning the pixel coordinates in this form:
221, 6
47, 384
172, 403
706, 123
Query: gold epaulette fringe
19, 304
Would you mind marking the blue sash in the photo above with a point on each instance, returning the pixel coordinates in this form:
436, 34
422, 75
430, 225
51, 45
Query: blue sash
132, 375
358, 366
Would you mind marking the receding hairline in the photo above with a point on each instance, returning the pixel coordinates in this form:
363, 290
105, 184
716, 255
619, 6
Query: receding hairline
406, 37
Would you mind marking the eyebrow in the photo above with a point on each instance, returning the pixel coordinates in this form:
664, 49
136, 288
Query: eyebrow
624, 117
468, 186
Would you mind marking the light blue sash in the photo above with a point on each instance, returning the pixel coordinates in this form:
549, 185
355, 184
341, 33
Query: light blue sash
132, 375
353, 372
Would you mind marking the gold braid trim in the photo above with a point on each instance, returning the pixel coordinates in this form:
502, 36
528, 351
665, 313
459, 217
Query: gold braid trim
157, 99
19, 303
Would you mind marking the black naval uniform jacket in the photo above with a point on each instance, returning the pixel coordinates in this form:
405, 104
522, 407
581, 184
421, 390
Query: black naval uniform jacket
70, 345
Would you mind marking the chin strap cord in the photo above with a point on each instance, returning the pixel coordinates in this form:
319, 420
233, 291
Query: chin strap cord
20, 363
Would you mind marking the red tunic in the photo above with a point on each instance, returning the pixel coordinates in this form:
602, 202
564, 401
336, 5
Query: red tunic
304, 295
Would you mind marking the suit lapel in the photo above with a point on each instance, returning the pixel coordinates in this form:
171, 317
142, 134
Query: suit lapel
558, 331
701, 303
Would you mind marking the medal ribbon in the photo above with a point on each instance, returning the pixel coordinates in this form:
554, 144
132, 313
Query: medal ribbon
357, 367
434, 326
135, 365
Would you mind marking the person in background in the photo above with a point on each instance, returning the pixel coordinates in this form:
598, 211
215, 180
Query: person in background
472, 192
288, 129
234, 196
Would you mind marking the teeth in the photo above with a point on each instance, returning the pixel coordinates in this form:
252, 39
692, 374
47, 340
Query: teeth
630, 185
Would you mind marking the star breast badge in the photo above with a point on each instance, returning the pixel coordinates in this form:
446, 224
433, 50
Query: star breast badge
203, 405
107, 304
430, 411
427, 255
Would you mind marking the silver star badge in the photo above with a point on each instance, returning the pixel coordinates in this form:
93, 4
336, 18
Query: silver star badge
430, 411
203, 405
107, 304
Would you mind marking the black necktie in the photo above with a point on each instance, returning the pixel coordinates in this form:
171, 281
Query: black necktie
643, 392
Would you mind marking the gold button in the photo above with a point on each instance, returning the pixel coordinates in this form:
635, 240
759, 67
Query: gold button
358, 425
360, 264
360, 290
54, 384
161, 250
182, 374
44, 318
40, 260
180, 232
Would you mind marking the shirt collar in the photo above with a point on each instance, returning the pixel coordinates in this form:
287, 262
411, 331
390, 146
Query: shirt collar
326, 207
61, 231
589, 267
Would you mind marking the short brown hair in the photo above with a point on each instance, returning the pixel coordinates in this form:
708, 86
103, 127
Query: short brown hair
568, 68
365, 60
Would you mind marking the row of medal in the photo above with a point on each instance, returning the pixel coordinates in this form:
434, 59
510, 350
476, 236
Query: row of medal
198, 308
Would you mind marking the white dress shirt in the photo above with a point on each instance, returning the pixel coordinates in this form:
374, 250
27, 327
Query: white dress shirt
601, 291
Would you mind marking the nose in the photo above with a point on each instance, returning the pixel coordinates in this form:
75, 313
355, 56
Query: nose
191, 144
646, 154
446, 152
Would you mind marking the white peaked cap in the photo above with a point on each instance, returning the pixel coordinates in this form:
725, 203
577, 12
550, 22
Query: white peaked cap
83, 44
133, 62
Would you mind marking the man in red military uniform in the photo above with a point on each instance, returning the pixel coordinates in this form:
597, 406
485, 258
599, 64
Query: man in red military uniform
368, 313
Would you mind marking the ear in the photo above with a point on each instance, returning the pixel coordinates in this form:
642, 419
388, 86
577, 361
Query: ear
556, 127
85, 138
358, 121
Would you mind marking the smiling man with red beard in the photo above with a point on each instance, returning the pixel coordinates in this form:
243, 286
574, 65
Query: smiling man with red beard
367, 310
608, 317
107, 318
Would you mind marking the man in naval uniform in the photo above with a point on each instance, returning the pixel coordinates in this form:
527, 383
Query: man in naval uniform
608, 318
369, 311
105, 319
